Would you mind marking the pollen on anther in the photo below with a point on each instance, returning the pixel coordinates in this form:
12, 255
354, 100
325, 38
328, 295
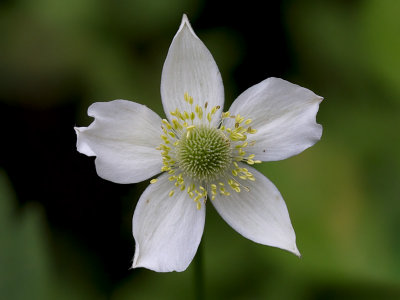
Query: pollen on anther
190, 162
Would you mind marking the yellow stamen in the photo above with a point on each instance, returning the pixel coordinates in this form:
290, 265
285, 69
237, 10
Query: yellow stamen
181, 125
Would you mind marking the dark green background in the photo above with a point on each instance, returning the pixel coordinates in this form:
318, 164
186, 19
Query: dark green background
66, 234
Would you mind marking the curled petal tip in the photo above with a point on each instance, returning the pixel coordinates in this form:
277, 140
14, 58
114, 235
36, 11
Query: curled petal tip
296, 252
185, 18
292, 249
185, 22
319, 98
134, 266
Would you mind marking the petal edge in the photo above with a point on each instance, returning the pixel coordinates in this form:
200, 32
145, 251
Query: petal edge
259, 215
123, 137
190, 68
284, 115
167, 230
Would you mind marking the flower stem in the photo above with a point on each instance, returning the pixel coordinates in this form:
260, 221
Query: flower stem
199, 273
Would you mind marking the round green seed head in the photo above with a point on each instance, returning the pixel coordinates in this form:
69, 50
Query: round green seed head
204, 154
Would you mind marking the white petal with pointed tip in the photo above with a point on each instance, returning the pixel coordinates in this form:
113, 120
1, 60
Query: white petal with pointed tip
123, 137
190, 67
284, 115
167, 230
260, 214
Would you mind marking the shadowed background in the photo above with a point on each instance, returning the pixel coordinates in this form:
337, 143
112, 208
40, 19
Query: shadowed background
66, 234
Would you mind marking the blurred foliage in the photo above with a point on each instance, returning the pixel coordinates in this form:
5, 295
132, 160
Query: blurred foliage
342, 194
27, 267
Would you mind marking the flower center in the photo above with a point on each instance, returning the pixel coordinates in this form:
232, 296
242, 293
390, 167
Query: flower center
204, 154
203, 159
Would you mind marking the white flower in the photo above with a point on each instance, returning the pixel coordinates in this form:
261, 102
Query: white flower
203, 153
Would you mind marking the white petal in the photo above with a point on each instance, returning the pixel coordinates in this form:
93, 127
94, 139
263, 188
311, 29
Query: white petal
123, 137
284, 115
190, 67
167, 230
259, 214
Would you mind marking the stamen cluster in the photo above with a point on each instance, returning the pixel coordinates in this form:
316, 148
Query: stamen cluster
202, 158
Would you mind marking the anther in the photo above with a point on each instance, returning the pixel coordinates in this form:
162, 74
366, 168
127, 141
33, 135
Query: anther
205, 153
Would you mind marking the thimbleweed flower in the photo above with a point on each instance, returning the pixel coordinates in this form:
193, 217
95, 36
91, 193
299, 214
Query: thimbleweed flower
204, 154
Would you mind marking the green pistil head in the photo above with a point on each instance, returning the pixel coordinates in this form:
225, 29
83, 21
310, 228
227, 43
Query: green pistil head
204, 154
201, 159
